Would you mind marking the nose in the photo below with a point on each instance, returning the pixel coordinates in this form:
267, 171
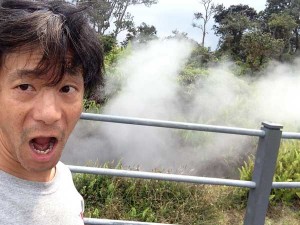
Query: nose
47, 108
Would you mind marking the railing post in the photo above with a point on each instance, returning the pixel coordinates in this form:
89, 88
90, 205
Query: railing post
264, 169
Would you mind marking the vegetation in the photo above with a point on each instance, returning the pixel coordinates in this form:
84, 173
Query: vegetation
145, 200
287, 170
251, 40
91, 106
105, 14
170, 202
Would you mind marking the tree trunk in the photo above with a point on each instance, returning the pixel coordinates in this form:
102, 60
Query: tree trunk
296, 40
203, 36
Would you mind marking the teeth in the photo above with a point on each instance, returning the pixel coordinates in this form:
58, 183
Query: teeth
45, 151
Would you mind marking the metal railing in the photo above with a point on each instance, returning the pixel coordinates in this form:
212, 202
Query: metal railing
260, 187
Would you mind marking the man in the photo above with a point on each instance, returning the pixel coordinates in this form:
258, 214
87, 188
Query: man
49, 58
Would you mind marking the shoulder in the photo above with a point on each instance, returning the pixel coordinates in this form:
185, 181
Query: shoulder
62, 168
66, 180
63, 174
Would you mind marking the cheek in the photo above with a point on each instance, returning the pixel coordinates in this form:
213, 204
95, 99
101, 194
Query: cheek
74, 114
78, 109
10, 133
11, 119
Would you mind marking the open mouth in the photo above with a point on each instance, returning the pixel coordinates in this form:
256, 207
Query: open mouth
43, 145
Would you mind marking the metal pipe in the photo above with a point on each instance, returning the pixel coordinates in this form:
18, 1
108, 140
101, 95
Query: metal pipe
162, 176
290, 135
277, 185
171, 124
92, 221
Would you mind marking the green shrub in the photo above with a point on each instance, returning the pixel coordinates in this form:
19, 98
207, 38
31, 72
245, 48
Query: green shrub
287, 170
91, 106
190, 75
145, 200
109, 42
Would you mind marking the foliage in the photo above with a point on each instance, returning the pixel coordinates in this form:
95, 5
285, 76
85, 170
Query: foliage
287, 170
252, 39
201, 57
91, 106
141, 34
232, 23
112, 57
277, 6
108, 42
281, 25
286, 15
190, 75
259, 48
104, 12
144, 200
114, 76
178, 35
196, 66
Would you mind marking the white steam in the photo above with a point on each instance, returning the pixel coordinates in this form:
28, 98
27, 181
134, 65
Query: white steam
151, 90
151, 80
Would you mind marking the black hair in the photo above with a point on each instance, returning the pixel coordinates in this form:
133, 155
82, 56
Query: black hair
58, 28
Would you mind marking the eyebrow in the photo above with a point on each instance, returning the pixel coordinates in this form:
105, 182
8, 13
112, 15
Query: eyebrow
20, 73
16, 74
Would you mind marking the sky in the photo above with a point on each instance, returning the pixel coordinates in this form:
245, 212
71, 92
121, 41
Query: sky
169, 15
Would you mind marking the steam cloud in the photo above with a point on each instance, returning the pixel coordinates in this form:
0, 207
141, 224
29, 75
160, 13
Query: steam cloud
151, 90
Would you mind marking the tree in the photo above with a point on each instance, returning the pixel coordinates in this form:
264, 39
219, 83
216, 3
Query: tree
282, 26
178, 35
105, 13
141, 34
209, 10
232, 23
283, 8
259, 48
108, 43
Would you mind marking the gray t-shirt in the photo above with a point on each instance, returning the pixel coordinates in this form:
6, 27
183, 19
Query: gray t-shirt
40, 203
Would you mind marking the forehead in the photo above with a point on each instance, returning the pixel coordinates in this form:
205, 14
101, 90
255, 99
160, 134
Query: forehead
22, 62
23, 57
14, 62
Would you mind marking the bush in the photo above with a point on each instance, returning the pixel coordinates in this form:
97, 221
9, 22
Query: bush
145, 200
109, 42
91, 106
287, 170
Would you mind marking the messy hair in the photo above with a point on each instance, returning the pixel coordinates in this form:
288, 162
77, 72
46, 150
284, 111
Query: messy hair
58, 29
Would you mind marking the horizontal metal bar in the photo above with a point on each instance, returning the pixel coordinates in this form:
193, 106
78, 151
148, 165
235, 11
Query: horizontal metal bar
277, 185
171, 124
162, 176
117, 222
290, 135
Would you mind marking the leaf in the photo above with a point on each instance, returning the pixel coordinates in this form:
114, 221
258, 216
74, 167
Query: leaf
271, 197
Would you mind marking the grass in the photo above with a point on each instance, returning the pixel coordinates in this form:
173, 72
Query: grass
232, 208
180, 203
145, 200
171, 202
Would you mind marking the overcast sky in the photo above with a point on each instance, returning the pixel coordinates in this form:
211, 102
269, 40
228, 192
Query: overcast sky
169, 15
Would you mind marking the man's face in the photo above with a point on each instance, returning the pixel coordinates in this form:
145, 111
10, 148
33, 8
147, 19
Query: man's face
35, 119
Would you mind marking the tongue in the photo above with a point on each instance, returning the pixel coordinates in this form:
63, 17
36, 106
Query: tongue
41, 143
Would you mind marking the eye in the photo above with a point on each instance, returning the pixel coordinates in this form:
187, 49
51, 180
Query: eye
67, 89
25, 87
